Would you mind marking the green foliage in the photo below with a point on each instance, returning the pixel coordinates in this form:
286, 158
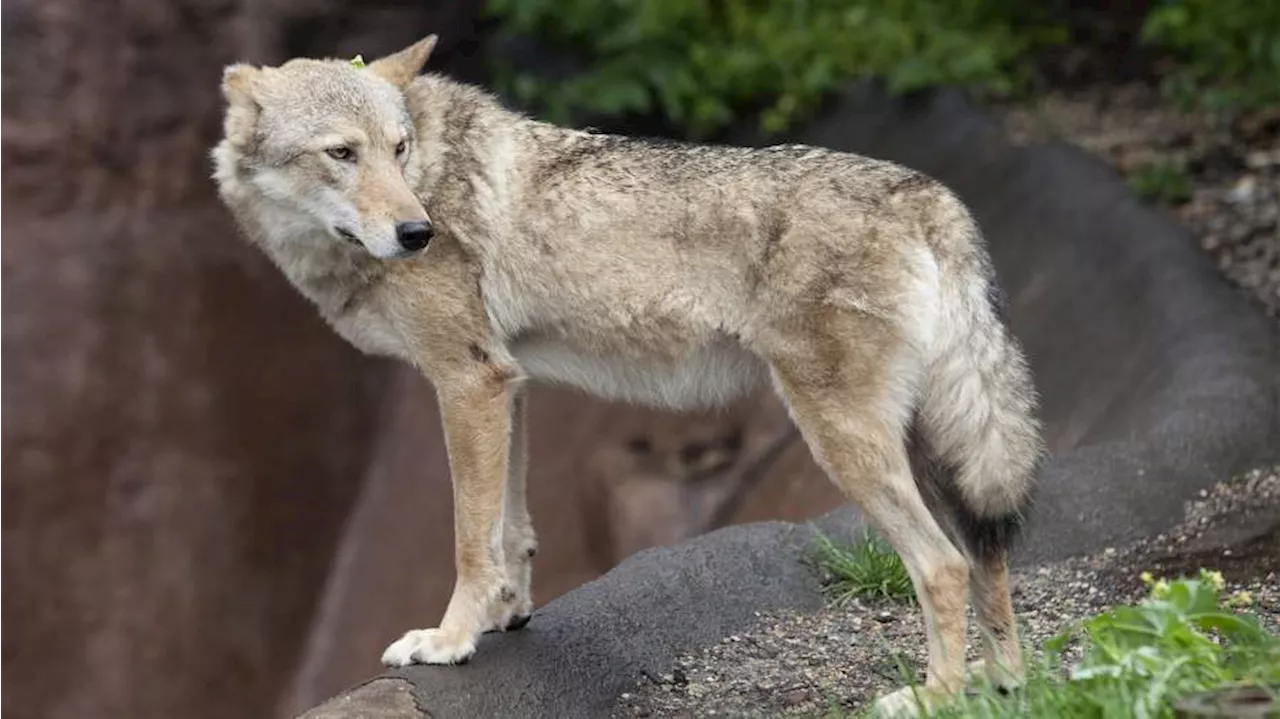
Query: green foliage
1167, 182
1177, 641
1139, 660
868, 568
1229, 50
700, 63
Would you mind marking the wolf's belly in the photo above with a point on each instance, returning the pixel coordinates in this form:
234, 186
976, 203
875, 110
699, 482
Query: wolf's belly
704, 377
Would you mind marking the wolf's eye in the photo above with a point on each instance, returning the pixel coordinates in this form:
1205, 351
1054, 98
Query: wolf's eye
401, 148
341, 153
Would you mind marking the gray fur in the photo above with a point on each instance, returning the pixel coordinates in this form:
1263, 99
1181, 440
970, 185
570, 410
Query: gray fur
656, 272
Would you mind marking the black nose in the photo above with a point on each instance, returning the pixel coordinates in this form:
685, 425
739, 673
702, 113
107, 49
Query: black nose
414, 235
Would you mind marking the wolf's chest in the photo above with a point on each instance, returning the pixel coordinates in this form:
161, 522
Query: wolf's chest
342, 283
370, 332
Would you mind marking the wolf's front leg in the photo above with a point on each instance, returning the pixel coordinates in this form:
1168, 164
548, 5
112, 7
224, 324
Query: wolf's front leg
477, 424
519, 541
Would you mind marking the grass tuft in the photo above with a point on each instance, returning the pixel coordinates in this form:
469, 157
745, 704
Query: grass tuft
867, 568
1164, 182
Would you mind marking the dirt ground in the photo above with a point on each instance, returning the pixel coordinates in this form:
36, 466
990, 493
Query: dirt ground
798, 664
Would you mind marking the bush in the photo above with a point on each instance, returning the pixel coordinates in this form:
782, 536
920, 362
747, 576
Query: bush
700, 63
1228, 50
1140, 660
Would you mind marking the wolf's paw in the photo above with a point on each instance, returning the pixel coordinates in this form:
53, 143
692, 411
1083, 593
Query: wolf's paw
1004, 680
511, 610
429, 646
910, 702
519, 600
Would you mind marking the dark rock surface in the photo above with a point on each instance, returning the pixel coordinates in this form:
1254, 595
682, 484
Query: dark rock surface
1157, 381
585, 648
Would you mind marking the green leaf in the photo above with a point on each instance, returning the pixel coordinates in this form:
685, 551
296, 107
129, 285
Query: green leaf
723, 59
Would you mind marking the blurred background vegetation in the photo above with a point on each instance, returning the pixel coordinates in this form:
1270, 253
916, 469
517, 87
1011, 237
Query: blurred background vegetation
1227, 51
700, 64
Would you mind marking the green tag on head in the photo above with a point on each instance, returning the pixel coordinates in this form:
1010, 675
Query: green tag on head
357, 62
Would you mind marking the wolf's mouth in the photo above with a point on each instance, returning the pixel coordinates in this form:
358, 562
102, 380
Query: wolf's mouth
346, 234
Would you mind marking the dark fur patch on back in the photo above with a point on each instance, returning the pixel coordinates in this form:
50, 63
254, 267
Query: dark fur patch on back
566, 162
773, 225
911, 182
478, 354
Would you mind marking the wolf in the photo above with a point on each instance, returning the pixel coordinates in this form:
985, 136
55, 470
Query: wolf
429, 223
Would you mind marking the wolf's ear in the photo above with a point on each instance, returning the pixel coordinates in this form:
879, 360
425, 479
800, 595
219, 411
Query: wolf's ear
400, 69
238, 84
239, 88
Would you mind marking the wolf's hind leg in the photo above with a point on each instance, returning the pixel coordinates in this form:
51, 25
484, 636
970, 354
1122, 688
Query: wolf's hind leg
850, 413
1001, 652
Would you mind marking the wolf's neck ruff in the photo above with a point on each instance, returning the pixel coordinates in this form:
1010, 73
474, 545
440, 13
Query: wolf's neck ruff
464, 158
337, 278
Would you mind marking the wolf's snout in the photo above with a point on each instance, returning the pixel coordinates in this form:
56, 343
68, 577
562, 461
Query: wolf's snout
414, 236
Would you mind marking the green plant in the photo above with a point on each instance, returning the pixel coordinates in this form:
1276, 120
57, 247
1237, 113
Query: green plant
1162, 181
868, 568
1139, 660
700, 63
1228, 50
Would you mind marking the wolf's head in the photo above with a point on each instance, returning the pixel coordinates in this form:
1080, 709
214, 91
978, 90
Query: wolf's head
327, 148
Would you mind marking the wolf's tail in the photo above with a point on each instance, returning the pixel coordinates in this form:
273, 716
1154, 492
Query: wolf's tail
976, 441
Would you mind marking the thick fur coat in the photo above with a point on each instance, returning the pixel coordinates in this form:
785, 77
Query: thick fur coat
668, 274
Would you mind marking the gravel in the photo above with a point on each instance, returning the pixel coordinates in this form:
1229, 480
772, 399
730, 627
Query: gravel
804, 664
1232, 167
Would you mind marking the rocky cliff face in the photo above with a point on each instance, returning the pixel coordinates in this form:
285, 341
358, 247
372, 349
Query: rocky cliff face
174, 415
182, 435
